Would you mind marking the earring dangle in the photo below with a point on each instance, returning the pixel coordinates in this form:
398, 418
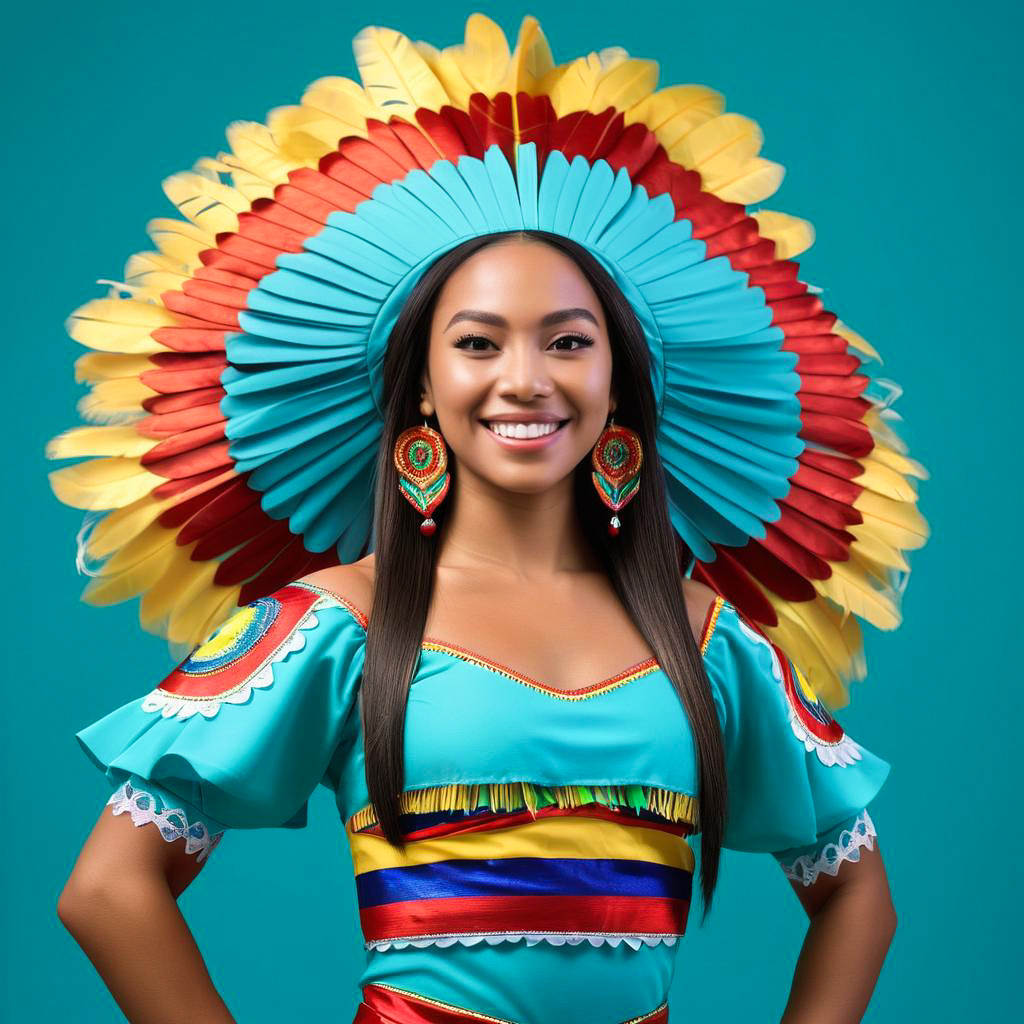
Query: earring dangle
617, 457
421, 459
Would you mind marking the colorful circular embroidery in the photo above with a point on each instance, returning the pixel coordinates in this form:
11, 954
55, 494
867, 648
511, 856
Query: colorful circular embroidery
233, 640
809, 711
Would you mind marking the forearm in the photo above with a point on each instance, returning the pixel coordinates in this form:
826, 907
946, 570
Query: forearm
841, 958
138, 941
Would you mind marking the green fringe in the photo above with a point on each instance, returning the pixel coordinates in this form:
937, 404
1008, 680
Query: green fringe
515, 796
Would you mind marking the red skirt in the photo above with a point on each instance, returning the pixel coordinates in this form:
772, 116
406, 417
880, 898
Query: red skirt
383, 1004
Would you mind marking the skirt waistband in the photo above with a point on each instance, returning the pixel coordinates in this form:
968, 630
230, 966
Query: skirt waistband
384, 1004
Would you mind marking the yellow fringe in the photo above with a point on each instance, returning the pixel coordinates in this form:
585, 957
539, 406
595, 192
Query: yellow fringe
514, 796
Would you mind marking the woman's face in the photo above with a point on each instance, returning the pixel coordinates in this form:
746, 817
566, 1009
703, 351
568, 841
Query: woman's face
518, 339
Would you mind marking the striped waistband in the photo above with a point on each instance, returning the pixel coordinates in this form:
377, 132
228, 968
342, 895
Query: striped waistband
384, 1004
585, 874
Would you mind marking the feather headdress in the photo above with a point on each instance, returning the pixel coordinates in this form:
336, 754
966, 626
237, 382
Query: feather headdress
234, 373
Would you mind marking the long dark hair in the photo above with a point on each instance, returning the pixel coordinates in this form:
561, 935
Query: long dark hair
645, 562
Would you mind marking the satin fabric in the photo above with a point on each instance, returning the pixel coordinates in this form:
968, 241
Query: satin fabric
255, 763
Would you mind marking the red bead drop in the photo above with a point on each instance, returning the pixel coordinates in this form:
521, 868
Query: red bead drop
427, 527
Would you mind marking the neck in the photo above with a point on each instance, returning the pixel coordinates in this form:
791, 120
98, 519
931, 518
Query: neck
522, 536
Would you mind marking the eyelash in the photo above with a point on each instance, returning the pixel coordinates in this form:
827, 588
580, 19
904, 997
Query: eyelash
576, 336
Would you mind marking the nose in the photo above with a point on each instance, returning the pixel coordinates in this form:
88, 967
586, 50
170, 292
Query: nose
523, 372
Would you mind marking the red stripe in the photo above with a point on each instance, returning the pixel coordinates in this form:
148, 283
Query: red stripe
472, 915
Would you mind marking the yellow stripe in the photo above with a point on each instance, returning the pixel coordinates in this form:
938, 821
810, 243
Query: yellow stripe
545, 838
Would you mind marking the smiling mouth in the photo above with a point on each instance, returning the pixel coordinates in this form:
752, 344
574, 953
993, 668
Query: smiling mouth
523, 431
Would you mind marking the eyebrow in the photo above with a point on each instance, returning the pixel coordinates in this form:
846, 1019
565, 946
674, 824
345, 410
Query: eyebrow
558, 317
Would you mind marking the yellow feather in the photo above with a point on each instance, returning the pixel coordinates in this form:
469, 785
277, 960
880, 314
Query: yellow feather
119, 325
885, 480
180, 585
135, 568
73, 444
827, 647
587, 84
180, 240
480, 64
884, 454
876, 548
97, 366
720, 148
257, 154
103, 483
791, 235
209, 205
758, 180
114, 401
897, 522
852, 589
674, 112
154, 270
191, 623
332, 108
855, 341
120, 527
396, 78
531, 67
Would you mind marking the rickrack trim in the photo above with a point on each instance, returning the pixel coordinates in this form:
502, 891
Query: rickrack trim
633, 940
515, 796
171, 821
808, 867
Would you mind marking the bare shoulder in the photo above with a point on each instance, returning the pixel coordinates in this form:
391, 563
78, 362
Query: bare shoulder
353, 582
699, 599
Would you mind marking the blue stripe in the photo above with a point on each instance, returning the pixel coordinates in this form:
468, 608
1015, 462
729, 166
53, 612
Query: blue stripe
522, 876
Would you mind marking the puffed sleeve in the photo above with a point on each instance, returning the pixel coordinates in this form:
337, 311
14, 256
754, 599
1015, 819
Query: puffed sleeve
243, 730
796, 781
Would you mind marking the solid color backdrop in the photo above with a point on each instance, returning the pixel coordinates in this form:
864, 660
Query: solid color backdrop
896, 124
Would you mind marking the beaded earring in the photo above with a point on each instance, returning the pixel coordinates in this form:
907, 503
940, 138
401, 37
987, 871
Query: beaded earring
421, 458
617, 457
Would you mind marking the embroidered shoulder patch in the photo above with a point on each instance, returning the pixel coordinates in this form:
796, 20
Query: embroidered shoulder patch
808, 717
238, 656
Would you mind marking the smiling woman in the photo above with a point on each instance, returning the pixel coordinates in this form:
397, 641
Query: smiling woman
527, 713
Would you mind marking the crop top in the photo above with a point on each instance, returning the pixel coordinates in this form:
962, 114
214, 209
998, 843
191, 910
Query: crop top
548, 832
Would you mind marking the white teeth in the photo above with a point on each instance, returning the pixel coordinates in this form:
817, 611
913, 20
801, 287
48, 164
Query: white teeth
522, 430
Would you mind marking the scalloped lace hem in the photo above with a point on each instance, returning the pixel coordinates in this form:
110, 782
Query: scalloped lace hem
531, 939
171, 821
807, 868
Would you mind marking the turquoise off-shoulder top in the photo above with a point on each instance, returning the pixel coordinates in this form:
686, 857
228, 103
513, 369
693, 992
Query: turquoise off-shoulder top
548, 832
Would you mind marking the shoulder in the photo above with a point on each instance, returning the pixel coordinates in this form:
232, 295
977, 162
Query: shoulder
352, 584
701, 602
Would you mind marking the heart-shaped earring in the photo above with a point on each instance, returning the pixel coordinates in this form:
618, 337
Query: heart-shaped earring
617, 457
421, 458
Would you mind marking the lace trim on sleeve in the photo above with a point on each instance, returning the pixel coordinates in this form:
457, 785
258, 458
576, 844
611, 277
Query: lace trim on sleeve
807, 868
172, 821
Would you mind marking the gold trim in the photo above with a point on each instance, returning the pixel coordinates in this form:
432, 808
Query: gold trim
647, 1016
712, 622
517, 796
613, 682
471, 1014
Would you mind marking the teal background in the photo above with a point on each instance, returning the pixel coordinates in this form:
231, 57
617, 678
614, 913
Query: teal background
898, 125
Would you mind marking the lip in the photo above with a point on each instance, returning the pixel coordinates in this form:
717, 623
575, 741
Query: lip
525, 444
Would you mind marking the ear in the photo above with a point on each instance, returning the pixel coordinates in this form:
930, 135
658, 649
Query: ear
426, 395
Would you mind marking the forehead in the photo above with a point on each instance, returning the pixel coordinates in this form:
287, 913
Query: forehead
519, 280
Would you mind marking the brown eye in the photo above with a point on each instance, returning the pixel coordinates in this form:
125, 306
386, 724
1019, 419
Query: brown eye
472, 338
582, 340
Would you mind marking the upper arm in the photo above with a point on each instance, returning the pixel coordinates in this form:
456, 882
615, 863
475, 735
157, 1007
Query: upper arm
866, 874
117, 849
699, 599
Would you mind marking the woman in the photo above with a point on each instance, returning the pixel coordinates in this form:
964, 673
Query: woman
541, 708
